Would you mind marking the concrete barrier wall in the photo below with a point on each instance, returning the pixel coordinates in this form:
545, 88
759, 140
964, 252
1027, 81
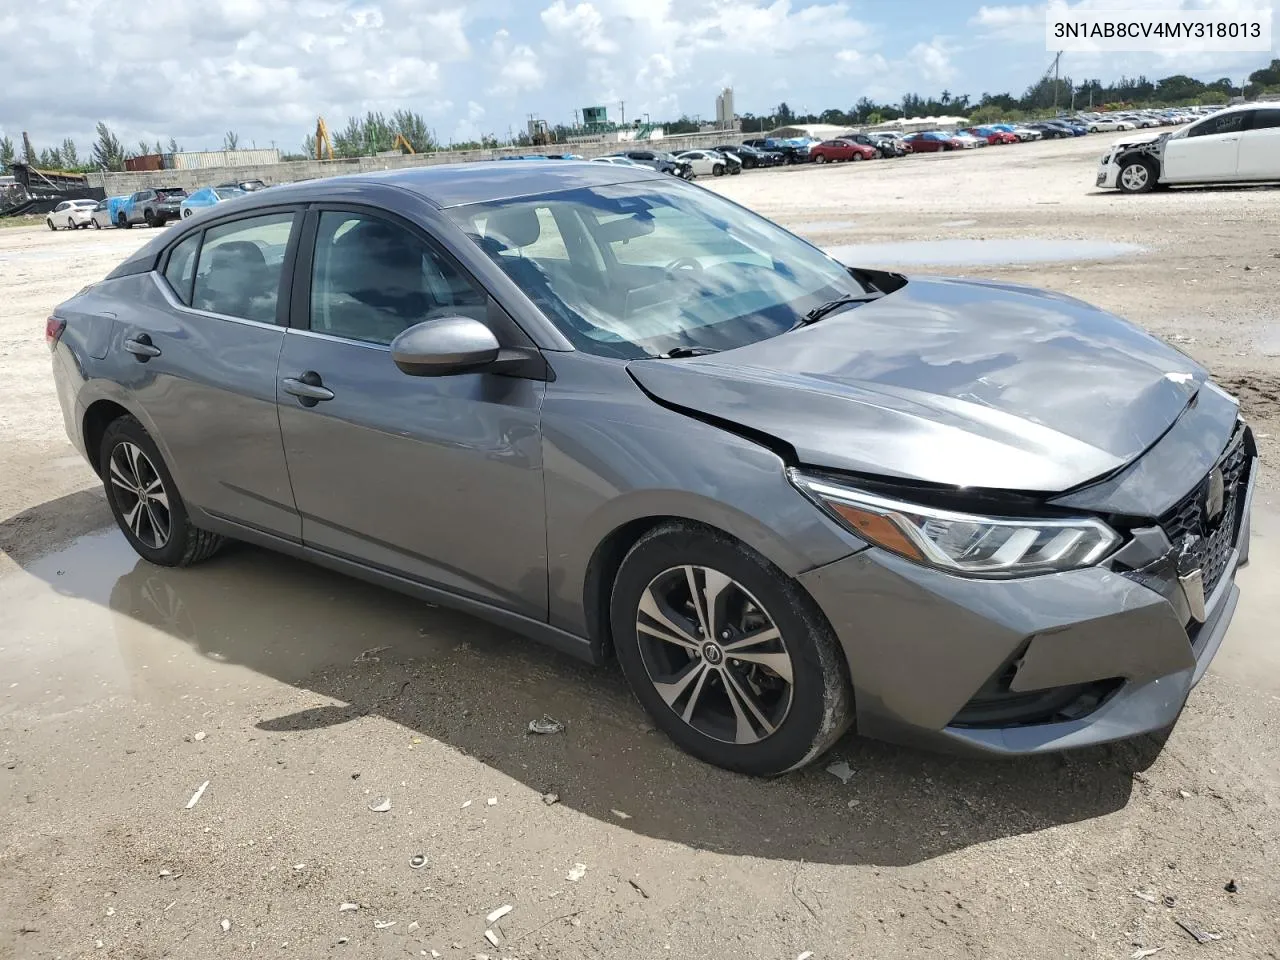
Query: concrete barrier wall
116, 184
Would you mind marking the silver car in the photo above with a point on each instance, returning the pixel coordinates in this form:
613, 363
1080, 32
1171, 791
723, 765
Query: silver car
619, 414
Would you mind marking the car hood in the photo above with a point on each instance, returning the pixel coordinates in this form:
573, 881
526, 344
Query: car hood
1139, 138
975, 384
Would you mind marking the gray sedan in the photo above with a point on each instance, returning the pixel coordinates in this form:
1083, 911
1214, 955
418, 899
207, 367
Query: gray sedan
619, 414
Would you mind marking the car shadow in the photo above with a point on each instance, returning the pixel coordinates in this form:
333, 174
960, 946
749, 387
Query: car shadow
475, 687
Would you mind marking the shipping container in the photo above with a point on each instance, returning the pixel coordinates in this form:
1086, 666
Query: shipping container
148, 161
206, 159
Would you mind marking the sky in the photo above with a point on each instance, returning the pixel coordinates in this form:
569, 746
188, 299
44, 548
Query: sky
194, 69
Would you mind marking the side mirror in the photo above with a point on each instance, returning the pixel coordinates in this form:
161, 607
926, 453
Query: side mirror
444, 347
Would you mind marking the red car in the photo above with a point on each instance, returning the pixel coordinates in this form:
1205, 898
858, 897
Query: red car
834, 150
931, 141
994, 136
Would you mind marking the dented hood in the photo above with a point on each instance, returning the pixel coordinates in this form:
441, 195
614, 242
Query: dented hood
946, 381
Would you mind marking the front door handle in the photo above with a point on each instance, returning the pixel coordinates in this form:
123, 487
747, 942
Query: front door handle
308, 388
142, 348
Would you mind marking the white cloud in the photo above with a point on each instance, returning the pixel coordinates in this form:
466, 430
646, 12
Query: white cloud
582, 25
932, 60
855, 63
518, 69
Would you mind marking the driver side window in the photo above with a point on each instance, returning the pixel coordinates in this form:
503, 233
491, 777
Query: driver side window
1222, 123
372, 279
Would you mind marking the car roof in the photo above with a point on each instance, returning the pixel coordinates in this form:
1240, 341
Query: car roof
456, 184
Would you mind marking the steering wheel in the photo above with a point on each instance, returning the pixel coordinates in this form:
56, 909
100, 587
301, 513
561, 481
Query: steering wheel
687, 265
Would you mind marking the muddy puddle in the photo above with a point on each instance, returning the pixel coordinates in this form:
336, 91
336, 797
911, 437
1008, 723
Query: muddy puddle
963, 252
93, 621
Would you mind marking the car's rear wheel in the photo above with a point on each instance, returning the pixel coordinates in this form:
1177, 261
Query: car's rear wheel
145, 500
1136, 176
95, 224
123, 222
857, 157
150, 218
717, 170
49, 221
820, 158
731, 657
71, 224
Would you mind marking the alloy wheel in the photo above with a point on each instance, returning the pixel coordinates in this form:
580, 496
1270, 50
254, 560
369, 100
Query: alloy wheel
140, 494
1134, 176
714, 654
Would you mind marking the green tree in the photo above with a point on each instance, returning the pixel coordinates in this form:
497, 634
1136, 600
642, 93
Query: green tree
783, 115
230, 140
173, 146
70, 155
108, 151
7, 154
414, 128
143, 148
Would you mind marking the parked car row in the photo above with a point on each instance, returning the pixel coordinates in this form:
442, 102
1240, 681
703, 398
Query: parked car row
153, 207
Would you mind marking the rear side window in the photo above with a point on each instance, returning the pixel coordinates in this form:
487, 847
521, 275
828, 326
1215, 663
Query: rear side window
1222, 123
1265, 119
181, 267
238, 274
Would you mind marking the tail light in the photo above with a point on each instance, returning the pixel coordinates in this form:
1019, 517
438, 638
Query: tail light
53, 328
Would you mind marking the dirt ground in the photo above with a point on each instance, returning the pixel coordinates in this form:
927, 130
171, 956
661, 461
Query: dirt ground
125, 687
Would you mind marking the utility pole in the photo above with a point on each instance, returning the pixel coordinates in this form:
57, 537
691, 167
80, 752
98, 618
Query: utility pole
622, 107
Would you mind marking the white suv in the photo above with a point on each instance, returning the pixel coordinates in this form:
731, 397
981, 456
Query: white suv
71, 214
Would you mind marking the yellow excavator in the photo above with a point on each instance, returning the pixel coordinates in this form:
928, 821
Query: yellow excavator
323, 143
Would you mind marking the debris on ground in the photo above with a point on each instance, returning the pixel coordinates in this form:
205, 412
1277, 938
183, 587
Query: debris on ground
415, 925
371, 655
1232, 886
383, 924
1170, 900
805, 956
348, 907
1184, 794
620, 815
492, 801
465, 804
355, 776
1147, 896
498, 914
381, 805
546, 725
1199, 934
550, 799
576, 872
198, 737
1182, 338
842, 770
491, 937
1139, 954
418, 861
225, 924
195, 797
299, 867
639, 889
342, 940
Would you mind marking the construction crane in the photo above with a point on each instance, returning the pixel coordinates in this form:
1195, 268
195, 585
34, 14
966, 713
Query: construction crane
323, 143
402, 144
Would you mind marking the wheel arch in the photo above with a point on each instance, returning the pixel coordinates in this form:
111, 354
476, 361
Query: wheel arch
1144, 156
93, 427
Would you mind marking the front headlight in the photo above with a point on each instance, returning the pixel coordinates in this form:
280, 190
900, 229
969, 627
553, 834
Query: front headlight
961, 543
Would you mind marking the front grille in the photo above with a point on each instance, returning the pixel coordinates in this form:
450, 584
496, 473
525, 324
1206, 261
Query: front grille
1187, 528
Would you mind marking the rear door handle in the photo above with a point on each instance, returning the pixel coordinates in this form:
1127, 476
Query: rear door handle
308, 388
142, 348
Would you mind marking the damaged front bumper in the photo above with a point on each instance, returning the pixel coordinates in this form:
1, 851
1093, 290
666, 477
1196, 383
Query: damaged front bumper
1042, 663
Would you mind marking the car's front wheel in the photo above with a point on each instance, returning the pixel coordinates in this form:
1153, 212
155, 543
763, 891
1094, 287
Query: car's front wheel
718, 170
820, 158
731, 657
1136, 176
145, 500
857, 157
123, 222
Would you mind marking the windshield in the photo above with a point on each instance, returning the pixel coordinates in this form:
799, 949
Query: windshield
226, 193
171, 193
635, 270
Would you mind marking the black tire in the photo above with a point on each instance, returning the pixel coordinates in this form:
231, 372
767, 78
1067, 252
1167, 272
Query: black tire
718, 170
150, 218
1137, 175
184, 543
123, 222
820, 158
71, 224
95, 224
857, 157
818, 702
49, 221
